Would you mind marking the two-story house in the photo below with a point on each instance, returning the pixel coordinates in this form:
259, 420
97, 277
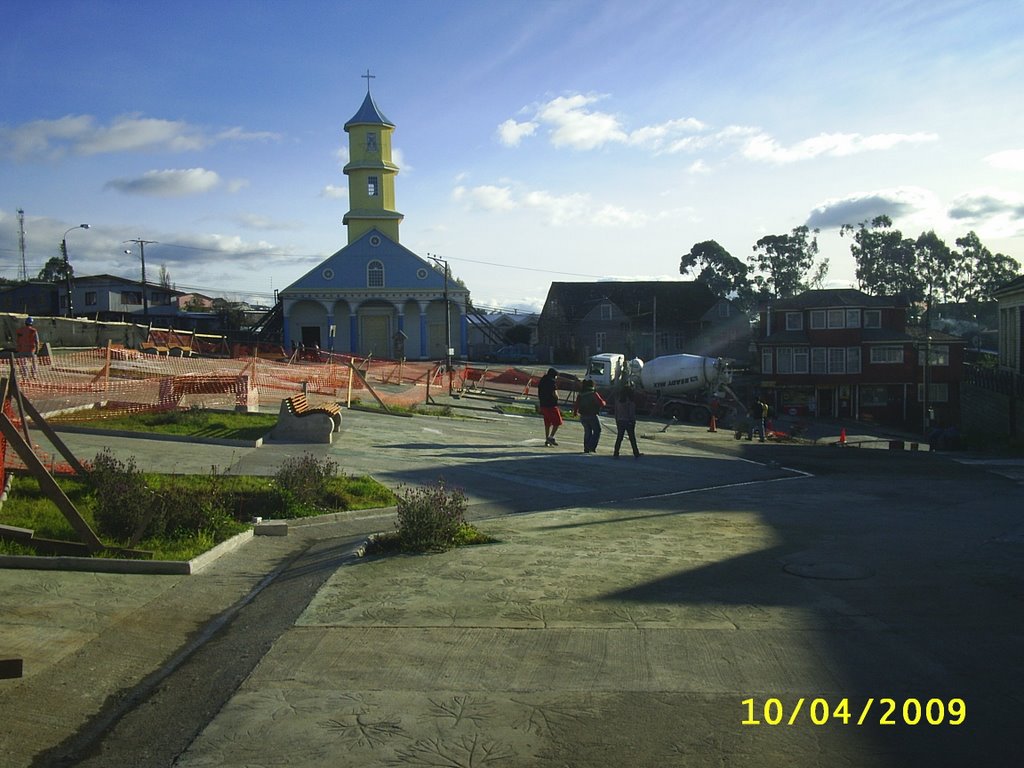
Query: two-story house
108, 297
841, 352
643, 319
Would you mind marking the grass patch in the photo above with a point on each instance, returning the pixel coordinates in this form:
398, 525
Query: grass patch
390, 543
190, 422
197, 512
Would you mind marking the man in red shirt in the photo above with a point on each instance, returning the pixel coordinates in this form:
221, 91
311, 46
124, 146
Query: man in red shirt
27, 343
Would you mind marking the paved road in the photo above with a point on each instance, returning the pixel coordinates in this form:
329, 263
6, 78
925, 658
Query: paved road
628, 611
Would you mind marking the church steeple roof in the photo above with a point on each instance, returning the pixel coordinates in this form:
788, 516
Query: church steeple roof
369, 114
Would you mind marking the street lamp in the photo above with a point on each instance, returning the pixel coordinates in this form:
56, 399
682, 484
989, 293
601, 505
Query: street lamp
67, 265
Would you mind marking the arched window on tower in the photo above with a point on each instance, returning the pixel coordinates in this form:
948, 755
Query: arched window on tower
372, 187
375, 274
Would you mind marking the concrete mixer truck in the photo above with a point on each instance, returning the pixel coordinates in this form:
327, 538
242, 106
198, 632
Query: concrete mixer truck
684, 387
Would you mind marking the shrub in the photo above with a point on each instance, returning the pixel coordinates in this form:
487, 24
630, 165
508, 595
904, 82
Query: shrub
429, 518
303, 478
123, 501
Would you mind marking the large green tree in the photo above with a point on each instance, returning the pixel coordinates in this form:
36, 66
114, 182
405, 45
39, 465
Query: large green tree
988, 271
56, 270
714, 266
785, 264
885, 259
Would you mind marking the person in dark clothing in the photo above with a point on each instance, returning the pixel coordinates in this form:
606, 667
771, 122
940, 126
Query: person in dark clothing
588, 406
547, 399
758, 419
625, 420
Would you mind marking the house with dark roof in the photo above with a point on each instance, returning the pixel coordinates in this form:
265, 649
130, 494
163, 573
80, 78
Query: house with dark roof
843, 353
642, 319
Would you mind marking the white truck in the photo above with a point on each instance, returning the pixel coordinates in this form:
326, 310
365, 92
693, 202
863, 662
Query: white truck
684, 387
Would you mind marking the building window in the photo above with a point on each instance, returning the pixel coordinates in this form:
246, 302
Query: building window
606, 311
939, 354
791, 360
794, 321
874, 396
680, 342
371, 141
884, 355
766, 360
853, 318
372, 188
836, 318
872, 318
800, 360
90, 298
600, 339
131, 297
819, 360
853, 359
723, 309
837, 360
937, 393
817, 319
375, 275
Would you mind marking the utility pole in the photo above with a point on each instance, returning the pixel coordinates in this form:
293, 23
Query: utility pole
23, 273
447, 322
142, 253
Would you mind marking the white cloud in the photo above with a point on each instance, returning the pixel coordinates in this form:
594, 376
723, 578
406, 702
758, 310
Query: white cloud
992, 212
255, 221
573, 125
511, 133
1008, 160
698, 167
168, 183
764, 148
80, 134
334, 192
487, 197
912, 205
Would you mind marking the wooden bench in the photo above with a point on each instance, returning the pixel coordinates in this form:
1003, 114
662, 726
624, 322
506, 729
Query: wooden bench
298, 405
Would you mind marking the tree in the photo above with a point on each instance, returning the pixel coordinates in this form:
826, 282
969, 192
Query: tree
885, 259
719, 270
934, 262
56, 270
784, 263
989, 271
165, 278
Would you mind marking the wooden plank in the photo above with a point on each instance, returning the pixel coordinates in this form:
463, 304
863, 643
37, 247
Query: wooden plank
48, 485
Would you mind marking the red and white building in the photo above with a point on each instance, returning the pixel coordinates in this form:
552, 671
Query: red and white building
843, 353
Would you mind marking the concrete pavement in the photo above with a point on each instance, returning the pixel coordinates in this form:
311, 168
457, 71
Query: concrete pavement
632, 612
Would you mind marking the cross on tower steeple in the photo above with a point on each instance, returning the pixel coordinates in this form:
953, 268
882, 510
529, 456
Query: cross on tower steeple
368, 77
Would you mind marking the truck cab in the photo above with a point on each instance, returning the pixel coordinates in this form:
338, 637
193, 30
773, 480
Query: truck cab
606, 369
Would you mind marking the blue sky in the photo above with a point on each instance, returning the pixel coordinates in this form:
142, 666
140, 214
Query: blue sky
537, 141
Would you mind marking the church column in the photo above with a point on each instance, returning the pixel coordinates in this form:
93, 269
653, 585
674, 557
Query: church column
330, 336
353, 330
423, 330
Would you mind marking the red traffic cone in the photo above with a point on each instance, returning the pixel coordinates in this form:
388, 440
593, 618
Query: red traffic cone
842, 436
713, 425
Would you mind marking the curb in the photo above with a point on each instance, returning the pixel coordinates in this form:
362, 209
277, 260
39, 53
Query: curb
115, 565
156, 436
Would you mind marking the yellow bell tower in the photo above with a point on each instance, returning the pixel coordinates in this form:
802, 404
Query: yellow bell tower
371, 174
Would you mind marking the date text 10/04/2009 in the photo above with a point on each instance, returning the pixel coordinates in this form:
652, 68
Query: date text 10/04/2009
884, 711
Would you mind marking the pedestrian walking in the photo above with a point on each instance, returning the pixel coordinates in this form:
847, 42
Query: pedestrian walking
588, 406
625, 419
547, 399
27, 344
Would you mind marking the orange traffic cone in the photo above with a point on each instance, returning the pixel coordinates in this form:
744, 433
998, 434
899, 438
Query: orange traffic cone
842, 436
713, 425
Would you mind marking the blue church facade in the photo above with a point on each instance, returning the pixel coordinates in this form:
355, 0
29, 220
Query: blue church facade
375, 297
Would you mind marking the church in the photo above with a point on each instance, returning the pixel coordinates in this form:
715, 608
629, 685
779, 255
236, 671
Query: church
375, 297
